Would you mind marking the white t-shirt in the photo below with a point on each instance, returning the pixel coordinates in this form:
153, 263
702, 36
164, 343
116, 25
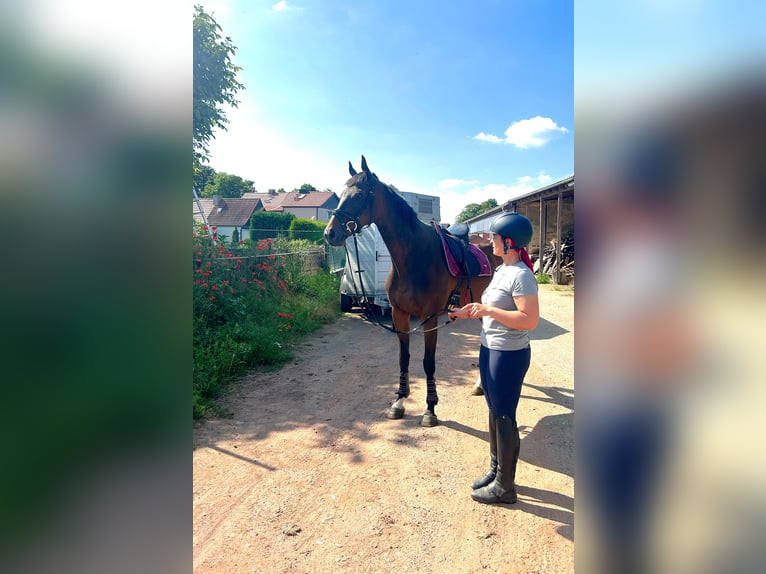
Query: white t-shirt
509, 281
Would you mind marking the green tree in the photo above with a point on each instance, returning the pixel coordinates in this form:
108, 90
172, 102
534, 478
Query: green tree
228, 185
305, 188
203, 175
265, 224
474, 209
215, 81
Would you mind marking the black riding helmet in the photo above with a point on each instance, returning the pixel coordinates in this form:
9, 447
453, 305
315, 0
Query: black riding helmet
515, 226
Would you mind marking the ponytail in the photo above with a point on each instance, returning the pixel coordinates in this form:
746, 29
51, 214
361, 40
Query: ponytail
525, 258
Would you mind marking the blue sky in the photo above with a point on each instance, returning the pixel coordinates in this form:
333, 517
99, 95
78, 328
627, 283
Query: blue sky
465, 100
644, 50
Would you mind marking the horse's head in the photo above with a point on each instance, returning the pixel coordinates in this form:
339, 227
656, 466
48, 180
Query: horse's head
355, 208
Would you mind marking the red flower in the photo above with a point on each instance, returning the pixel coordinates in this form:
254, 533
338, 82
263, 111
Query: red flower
212, 297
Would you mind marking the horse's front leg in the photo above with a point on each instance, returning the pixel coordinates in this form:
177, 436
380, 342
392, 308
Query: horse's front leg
429, 366
401, 321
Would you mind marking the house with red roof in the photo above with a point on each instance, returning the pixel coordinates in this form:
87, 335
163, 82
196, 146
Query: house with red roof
227, 214
316, 205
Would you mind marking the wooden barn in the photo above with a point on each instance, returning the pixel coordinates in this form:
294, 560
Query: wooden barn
551, 211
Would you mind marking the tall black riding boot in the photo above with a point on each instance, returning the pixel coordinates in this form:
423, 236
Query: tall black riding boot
503, 488
490, 476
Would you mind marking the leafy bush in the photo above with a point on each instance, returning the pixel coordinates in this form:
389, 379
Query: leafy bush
269, 224
543, 279
251, 304
307, 229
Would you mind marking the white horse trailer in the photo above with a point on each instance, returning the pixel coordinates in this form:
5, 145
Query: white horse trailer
364, 278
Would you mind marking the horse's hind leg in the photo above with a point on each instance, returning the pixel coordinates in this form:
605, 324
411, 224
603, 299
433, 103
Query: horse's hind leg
401, 321
429, 366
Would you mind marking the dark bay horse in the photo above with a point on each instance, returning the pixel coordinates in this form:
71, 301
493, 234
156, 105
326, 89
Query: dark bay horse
419, 283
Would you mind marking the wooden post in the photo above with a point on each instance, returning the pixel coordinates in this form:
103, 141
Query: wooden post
558, 239
542, 232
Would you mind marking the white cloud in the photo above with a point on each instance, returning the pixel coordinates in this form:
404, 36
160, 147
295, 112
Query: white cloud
487, 138
450, 183
453, 202
281, 5
534, 132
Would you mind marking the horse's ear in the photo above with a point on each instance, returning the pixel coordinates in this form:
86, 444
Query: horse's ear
351, 169
364, 165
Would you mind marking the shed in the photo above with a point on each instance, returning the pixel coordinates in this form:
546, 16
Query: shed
551, 211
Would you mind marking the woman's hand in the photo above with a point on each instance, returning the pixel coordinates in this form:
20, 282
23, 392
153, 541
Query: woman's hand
477, 310
470, 311
459, 313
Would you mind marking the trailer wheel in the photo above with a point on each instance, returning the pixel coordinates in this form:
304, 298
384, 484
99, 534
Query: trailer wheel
345, 303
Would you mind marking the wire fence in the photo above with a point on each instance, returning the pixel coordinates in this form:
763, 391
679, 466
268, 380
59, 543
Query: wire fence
336, 258
303, 251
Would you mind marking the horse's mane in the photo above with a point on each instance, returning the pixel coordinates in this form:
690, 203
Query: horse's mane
401, 209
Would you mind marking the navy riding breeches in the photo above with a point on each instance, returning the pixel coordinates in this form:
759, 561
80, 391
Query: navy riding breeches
502, 374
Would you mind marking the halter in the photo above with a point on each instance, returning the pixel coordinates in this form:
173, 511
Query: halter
351, 222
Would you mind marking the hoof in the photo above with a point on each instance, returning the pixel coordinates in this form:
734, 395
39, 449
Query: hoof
477, 391
395, 413
429, 420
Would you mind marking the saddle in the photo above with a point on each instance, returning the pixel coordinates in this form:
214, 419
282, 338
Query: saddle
463, 258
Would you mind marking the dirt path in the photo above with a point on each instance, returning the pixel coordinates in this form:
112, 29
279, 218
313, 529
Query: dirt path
309, 475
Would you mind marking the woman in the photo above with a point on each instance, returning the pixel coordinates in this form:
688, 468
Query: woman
509, 309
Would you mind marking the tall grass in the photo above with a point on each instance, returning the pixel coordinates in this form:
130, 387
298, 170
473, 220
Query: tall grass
252, 303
